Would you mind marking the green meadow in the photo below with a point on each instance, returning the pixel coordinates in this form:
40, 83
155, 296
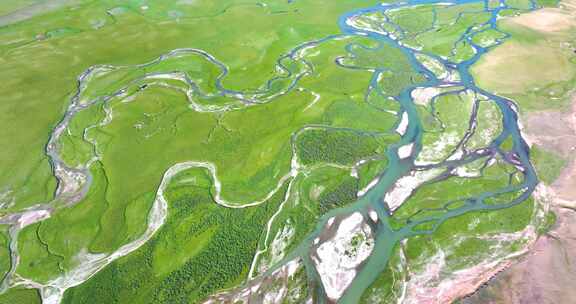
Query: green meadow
286, 119
156, 128
200, 249
43, 55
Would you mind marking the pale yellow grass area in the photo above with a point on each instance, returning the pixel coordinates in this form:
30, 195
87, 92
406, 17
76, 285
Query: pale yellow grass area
516, 67
549, 20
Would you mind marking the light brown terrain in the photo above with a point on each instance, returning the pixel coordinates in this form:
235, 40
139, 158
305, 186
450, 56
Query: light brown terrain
565, 186
518, 66
547, 274
549, 20
510, 59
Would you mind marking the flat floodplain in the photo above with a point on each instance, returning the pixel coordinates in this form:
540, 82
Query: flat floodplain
287, 151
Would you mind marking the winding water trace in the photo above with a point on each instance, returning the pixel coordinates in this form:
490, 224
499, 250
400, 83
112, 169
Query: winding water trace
75, 182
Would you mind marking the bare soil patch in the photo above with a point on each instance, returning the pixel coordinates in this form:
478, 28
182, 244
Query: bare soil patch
516, 67
548, 20
545, 276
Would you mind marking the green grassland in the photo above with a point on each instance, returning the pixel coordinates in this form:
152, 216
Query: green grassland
157, 128
314, 194
549, 164
459, 238
488, 125
457, 244
447, 127
40, 67
11, 6
341, 147
533, 68
327, 183
201, 248
309, 124
434, 197
4, 251
20, 296
311, 196
432, 28
389, 284
466, 240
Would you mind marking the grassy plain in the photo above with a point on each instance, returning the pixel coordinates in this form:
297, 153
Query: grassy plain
536, 66
202, 248
548, 163
42, 56
312, 195
458, 237
4, 251
434, 197
389, 284
20, 296
254, 155
341, 147
11, 6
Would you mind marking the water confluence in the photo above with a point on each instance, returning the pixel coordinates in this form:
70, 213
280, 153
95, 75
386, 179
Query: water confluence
386, 238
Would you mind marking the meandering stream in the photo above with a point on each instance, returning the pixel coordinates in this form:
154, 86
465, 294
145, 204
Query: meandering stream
75, 182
